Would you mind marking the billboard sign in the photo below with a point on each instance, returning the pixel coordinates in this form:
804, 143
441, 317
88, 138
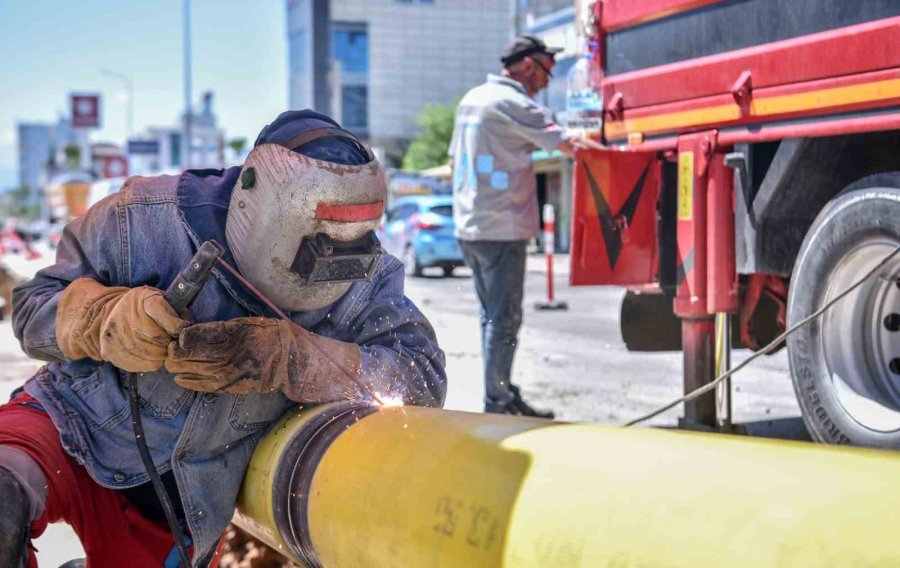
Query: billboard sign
85, 111
113, 166
143, 147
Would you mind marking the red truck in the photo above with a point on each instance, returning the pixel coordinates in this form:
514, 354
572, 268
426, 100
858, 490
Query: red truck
753, 169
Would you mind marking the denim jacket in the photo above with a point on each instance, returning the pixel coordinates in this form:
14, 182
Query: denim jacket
145, 235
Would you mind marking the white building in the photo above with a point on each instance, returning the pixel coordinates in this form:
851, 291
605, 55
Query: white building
382, 61
161, 149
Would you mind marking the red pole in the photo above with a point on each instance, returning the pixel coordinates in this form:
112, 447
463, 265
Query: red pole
549, 245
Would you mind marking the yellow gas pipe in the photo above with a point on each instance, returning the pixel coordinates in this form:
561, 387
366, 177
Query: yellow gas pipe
347, 486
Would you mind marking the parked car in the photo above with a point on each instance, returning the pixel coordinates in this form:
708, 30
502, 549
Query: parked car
37, 230
419, 231
54, 232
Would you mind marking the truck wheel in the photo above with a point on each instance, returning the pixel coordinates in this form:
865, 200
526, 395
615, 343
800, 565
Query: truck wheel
846, 364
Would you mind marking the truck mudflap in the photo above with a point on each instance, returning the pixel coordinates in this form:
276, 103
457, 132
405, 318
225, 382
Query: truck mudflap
614, 219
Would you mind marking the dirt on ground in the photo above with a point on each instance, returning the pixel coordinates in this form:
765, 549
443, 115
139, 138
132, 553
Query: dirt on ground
243, 551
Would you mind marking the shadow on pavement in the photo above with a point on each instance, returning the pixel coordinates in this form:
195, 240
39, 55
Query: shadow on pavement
778, 428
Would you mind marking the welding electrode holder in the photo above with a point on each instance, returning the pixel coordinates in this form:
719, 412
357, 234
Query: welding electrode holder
180, 293
188, 283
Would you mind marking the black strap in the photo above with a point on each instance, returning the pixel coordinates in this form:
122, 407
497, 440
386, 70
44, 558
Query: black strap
308, 136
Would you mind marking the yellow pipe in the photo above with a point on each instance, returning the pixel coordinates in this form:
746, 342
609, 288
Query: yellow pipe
256, 501
265, 497
414, 487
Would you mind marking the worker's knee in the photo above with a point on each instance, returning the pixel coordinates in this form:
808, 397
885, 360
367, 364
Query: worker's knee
23, 495
14, 521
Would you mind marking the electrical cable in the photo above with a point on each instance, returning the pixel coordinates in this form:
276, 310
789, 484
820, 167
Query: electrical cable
180, 293
161, 493
768, 348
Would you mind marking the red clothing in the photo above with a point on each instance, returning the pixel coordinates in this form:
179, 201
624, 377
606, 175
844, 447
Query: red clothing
112, 531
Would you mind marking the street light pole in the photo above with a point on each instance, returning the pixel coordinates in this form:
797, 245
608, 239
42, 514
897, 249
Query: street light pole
187, 84
129, 108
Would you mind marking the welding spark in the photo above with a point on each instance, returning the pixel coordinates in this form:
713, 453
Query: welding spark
389, 401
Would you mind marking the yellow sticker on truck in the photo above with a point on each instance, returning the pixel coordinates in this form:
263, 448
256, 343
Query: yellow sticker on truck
685, 186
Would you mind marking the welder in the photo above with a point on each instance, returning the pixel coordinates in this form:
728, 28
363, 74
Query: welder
297, 222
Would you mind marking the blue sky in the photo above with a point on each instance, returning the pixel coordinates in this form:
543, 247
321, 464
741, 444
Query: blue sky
49, 48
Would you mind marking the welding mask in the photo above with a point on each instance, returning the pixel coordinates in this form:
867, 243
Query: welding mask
301, 229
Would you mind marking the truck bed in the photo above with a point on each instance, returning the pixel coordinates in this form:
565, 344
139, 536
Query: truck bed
676, 66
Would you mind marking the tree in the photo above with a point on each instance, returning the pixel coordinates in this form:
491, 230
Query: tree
429, 149
73, 155
238, 145
19, 202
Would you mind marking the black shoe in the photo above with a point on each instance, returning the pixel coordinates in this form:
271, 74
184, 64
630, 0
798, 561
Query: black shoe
524, 409
516, 407
493, 407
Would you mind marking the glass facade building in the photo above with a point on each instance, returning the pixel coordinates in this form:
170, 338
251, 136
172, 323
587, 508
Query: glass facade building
350, 60
35, 154
386, 59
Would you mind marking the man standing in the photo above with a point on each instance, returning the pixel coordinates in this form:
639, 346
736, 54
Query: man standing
297, 222
498, 126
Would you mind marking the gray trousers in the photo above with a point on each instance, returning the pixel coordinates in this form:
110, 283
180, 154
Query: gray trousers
498, 269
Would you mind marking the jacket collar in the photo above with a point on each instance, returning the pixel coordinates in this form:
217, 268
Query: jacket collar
507, 81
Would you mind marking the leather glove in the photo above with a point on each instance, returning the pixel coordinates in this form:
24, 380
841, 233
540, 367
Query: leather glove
263, 355
128, 327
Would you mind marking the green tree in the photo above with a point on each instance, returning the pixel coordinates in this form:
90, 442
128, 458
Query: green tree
73, 155
429, 149
19, 202
238, 145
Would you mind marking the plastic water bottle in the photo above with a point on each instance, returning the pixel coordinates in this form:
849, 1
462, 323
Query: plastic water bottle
584, 109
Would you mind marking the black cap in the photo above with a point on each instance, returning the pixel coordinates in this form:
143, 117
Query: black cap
526, 46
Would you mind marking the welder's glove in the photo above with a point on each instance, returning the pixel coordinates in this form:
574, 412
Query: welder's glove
128, 327
263, 355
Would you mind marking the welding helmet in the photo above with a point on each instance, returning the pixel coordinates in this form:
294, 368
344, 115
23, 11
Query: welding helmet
303, 212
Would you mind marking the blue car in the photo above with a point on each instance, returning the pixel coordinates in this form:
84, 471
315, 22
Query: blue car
419, 231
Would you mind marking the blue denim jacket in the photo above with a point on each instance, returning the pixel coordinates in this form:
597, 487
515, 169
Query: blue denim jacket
145, 235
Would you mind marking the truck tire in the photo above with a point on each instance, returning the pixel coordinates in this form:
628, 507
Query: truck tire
845, 365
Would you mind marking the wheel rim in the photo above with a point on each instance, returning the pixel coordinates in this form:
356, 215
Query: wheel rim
861, 338
409, 261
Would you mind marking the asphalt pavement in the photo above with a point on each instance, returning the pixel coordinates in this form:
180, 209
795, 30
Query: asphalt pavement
575, 362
